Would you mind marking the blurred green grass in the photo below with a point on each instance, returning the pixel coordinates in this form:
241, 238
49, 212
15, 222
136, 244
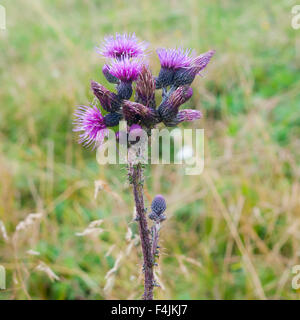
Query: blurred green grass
250, 99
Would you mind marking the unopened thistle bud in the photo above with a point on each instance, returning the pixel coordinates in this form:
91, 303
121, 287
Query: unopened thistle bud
136, 112
109, 77
145, 88
185, 76
108, 100
169, 107
158, 207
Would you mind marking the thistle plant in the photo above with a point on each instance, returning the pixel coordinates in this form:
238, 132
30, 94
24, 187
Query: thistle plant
127, 65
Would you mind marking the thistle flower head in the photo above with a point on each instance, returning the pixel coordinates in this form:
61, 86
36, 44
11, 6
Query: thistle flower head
126, 69
180, 96
179, 67
136, 112
174, 58
122, 45
158, 207
169, 107
171, 60
90, 122
145, 88
109, 100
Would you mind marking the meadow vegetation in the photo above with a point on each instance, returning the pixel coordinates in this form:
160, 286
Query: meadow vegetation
232, 232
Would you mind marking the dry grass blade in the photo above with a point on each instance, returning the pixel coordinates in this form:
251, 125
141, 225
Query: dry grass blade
47, 270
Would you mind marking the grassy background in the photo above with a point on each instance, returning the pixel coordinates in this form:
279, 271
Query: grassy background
232, 232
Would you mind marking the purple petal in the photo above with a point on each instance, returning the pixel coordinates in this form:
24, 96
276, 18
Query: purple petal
174, 58
122, 45
125, 69
90, 122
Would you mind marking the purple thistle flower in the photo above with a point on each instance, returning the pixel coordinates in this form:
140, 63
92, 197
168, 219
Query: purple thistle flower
169, 107
171, 60
125, 69
174, 58
122, 45
185, 76
90, 122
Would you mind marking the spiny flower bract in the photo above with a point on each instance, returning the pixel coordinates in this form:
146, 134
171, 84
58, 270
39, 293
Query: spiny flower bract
109, 77
202, 61
108, 100
169, 107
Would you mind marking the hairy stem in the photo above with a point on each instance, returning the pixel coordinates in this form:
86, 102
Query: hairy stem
136, 174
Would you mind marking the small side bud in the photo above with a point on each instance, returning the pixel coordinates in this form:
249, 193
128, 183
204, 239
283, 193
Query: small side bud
185, 76
169, 107
108, 100
136, 112
158, 207
145, 88
109, 77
